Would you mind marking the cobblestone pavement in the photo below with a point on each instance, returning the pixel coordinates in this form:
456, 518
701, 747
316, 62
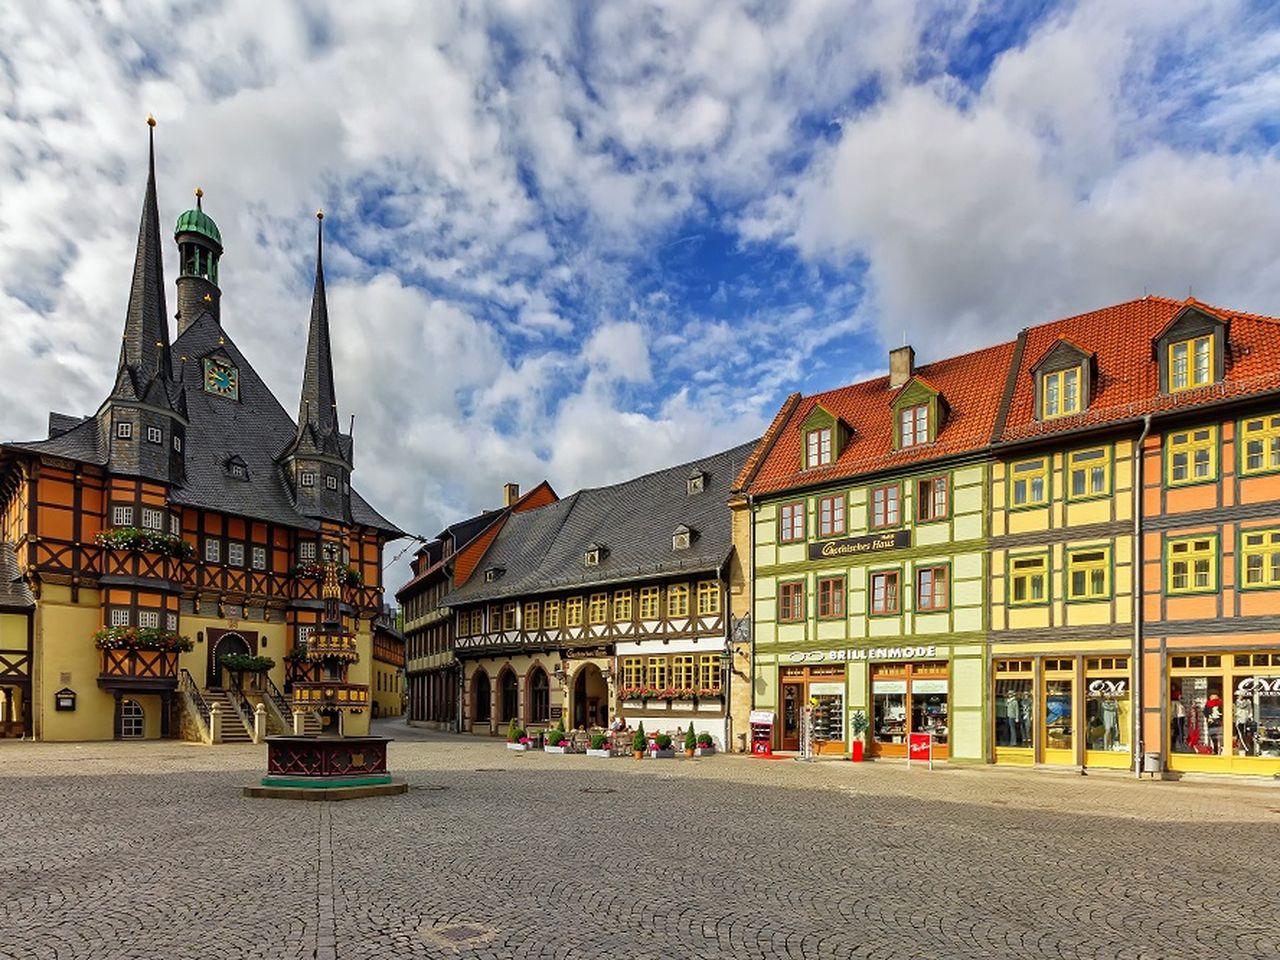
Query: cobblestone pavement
149, 851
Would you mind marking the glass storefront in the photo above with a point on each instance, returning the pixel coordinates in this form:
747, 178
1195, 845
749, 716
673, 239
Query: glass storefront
822, 690
1057, 734
1014, 708
909, 698
1224, 712
1108, 719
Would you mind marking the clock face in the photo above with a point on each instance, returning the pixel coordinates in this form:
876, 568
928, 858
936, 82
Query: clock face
221, 379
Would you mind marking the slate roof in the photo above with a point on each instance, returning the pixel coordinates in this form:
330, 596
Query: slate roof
541, 551
14, 591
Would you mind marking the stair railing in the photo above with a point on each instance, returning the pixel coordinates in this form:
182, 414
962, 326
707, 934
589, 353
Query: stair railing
238, 700
282, 707
196, 705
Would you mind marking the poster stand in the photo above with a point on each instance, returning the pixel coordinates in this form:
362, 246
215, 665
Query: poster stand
920, 748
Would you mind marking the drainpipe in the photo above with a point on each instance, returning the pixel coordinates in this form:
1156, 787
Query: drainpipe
1138, 693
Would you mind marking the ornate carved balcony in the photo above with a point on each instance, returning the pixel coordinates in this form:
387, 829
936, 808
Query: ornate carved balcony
332, 645
330, 695
139, 670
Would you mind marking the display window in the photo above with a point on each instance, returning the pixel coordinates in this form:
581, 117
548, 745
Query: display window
1014, 710
909, 698
1224, 712
1108, 717
1058, 730
820, 689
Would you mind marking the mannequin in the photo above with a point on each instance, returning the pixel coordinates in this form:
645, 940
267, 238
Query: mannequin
1012, 717
1246, 726
1110, 723
1178, 733
1213, 723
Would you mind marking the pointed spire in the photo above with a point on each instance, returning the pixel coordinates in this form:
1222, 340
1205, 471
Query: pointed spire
146, 325
319, 406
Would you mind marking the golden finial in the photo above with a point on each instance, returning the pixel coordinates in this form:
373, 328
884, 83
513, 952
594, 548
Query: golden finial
151, 120
208, 298
319, 214
199, 193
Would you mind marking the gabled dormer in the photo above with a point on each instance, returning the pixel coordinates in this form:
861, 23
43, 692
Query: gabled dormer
919, 412
594, 553
1063, 380
823, 437
682, 537
236, 468
1191, 350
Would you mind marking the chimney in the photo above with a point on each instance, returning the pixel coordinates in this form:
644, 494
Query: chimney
510, 493
902, 364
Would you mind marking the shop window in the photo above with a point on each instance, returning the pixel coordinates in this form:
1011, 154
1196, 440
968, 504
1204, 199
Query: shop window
791, 522
622, 606
682, 671
649, 603
830, 598
913, 426
1260, 438
573, 612
708, 598
911, 698
1107, 715
884, 593
884, 506
1027, 578
709, 671
551, 614
1029, 483
1196, 714
657, 675
791, 602
1191, 565
633, 671
678, 600
1192, 456
932, 588
1060, 393
831, 515
598, 608
1088, 473
1089, 574
1191, 363
818, 447
1260, 550
532, 617
1014, 706
931, 499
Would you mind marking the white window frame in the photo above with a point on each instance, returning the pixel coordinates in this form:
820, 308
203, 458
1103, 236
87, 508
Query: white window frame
235, 554
308, 479
258, 556
331, 483
122, 516
153, 519
124, 430
306, 551
177, 443
171, 620
149, 619
155, 435
212, 550
119, 616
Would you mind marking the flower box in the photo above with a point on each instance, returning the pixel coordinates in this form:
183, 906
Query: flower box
661, 754
682, 704
710, 705
704, 751
555, 749
633, 704
518, 746
604, 752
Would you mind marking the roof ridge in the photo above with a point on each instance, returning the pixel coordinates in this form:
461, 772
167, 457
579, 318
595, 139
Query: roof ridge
673, 467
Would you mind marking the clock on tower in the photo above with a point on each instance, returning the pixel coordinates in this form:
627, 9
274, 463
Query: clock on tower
221, 379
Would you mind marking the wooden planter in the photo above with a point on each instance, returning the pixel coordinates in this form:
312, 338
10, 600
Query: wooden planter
602, 752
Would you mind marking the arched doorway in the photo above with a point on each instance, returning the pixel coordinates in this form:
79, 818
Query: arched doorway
481, 698
590, 698
133, 721
508, 696
539, 696
233, 643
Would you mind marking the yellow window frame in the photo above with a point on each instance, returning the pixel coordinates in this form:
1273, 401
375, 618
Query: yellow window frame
678, 600
1028, 567
598, 608
709, 667
1193, 451
532, 615
622, 606
1194, 373
708, 598
1089, 462
633, 671
1029, 471
682, 671
1191, 564
551, 615
649, 606
573, 612
1056, 383
1089, 562
1260, 559
509, 616
657, 673
1265, 433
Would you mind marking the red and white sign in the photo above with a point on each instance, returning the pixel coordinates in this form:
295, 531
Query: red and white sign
920, 747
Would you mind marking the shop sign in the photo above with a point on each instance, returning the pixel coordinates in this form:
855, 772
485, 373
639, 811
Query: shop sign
1263, 686
920, 748
864, 653
928, 686
1108, 688
761, 716
856, 546
888, 686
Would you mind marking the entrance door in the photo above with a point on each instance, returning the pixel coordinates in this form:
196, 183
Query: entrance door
233, 643
792, 704
590, 698
1058, 730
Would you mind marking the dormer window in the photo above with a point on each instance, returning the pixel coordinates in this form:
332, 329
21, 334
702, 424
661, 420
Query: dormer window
492, 574
308, 479
237, 469
914, 425
1060, 395
177, 443
331, 483
124, 430
682, 538
592, 557
696, 482
1190, 363
818, 447
919, 411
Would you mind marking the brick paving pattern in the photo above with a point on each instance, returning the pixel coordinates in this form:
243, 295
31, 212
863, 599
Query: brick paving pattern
121, 850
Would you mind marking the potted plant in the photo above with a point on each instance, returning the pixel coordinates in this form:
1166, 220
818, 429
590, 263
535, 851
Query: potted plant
662, 747
690, 741
556, 741
639, 742
858, 725
516, 740
706, 746
600, 746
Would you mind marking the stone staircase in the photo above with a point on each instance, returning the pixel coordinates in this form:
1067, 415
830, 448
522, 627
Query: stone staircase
233, 726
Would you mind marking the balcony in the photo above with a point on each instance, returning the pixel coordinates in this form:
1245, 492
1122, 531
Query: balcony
330, 695
334, 646
139, 670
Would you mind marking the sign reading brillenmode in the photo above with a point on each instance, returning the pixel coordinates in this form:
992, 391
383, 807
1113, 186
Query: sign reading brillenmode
854, 546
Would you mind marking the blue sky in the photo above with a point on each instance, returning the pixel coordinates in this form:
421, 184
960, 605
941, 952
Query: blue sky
582, 241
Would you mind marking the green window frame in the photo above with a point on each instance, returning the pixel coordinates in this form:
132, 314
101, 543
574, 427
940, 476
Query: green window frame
1089, 473
933, 588
884, 506
1029, 482
1260, 559
1191, 456
1028, 579
1259, 440
1191, 564
1089, 573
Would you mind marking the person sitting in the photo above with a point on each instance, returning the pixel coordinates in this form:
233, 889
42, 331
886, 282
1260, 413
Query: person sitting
619, 724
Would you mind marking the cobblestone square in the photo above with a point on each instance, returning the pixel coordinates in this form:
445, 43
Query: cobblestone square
119, 850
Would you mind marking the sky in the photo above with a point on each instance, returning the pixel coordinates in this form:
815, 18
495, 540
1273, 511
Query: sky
582, 241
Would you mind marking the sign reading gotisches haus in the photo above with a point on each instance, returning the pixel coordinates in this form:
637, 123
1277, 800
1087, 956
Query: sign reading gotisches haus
853, 546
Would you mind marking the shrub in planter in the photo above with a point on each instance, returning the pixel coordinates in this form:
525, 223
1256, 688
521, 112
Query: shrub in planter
858, 725
705, 740
639, 742
664, 741
246, 663
514, 732
145, 541
599, 741
690, 741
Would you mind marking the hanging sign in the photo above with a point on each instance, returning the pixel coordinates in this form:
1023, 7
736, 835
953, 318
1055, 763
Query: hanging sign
857, 546
920, 748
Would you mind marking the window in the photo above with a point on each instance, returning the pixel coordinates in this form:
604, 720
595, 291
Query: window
830, 597
119, 616
552, 614
648, 603
259, 558
124, 430
708, 598
239, 471
1089, 574
695, 484
1191, 564
539, 696
622, 606
1261, 444
1190, 363
177, 443
172, 621
573, 612
149, 619
682, 538
709, 671
831, 515
212, 550
591, 558
122, 516
532, 616
304, 635
678, 600
884, 592
657, 675
791, 602
331, 483
682, 672
633, 671
308, 478
1089, 474
598, 608
1029, 483
931, 499
931, 588
155, 435
791, 522
1060, 393
477, 621
235, 554
307, 551
1027, 579
175, 524
1261, 551
913, 423
133, 721
884, 506
818, 447
508, 616
1192, 456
